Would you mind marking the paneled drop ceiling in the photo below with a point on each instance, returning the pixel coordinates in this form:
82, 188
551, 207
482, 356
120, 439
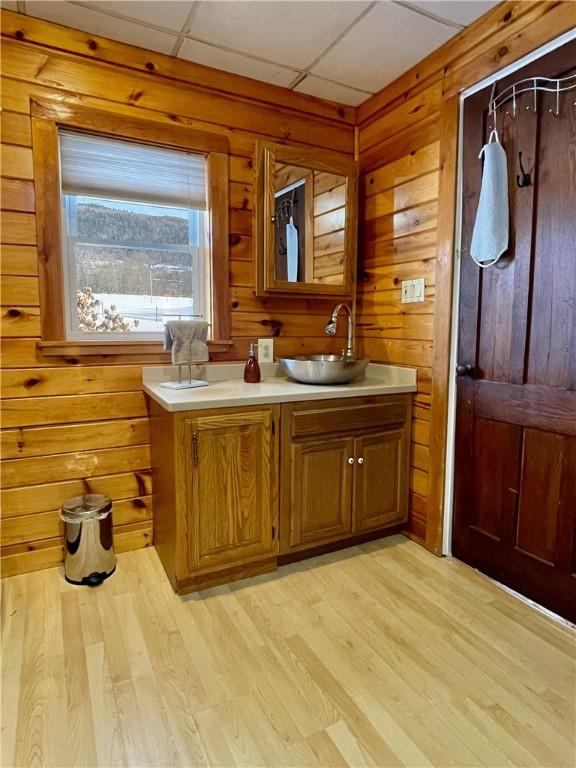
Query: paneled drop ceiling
342, 50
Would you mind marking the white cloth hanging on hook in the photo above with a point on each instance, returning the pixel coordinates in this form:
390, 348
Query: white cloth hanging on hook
491, 228
292, 251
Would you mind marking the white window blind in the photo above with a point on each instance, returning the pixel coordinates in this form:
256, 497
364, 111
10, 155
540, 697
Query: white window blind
119, 170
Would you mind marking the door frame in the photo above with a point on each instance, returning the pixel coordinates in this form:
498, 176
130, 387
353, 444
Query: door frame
450, 426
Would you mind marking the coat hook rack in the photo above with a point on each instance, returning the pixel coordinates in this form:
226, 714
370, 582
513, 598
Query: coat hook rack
525, 179
532, 85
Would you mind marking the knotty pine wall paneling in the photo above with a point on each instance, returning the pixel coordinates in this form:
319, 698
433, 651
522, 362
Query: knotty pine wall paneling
78, 425
407, 153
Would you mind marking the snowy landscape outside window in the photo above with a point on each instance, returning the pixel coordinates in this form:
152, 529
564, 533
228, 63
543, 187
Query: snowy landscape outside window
134, 237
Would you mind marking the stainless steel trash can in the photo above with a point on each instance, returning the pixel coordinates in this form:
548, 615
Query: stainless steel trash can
88, 547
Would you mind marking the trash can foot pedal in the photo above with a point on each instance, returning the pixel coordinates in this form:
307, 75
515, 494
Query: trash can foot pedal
93, 580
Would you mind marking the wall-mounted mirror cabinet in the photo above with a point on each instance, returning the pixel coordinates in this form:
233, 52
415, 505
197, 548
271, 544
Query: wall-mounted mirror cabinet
306, 221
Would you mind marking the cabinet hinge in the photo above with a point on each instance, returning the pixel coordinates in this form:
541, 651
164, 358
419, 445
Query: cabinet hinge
273, 427
273, 532
195, 458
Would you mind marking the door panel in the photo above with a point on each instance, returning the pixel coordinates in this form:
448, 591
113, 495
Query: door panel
547, 408
552, 356
229, 488
320, 490
505, 292
515, 478
496, 451
544, 456
378, 500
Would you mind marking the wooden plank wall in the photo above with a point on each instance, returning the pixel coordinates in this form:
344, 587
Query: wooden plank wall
80, 425
400, 205
407, 144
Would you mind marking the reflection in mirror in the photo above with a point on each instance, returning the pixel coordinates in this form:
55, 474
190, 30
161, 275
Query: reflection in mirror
309, 225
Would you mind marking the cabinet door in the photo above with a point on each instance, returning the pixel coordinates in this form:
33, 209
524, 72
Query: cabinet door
320, 490
229, 489
380, 496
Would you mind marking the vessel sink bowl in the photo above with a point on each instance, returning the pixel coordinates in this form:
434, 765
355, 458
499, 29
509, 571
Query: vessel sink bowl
323, 369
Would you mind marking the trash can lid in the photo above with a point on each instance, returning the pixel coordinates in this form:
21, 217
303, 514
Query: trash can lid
88, 507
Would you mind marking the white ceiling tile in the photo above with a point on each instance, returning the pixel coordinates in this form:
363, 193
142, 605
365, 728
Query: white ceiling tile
384, 44
170, 14
461, 11
324, 89
97, 23
289, 32
202, 53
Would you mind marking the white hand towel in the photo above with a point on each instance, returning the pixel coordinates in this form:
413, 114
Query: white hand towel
490, 236
292, 251
186, 339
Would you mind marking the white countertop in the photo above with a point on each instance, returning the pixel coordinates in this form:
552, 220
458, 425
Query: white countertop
227, 387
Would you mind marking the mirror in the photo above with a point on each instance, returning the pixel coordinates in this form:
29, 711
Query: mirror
306, 221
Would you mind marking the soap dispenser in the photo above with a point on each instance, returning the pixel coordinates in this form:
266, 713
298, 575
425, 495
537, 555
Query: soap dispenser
252, 369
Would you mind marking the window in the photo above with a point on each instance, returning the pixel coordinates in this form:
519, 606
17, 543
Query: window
137, 211
133, 236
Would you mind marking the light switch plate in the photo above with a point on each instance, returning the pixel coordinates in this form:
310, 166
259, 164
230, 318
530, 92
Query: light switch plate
412, 290
265, 350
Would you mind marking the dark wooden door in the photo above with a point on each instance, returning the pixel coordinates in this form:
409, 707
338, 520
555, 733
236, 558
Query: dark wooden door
515, 483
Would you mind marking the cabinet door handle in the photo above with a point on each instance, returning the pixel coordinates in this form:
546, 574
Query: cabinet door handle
195, 458
360, 460
350, 460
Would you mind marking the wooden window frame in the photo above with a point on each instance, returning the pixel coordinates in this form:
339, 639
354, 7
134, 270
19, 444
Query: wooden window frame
47, 117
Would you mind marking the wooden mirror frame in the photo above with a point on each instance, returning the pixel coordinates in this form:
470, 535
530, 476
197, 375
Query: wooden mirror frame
267, 154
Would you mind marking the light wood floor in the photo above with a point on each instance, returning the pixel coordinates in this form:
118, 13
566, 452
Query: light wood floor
382, 655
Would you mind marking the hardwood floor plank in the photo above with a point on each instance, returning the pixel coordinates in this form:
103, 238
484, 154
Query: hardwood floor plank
160, 743
32, 704
107, 733
13, 605
211, 733
326, 751
79, 720
347, 745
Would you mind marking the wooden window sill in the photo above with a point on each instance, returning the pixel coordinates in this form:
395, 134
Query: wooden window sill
140, 348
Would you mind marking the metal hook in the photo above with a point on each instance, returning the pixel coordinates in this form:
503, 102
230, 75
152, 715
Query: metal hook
494, 120
528, 107
492, 107
557, 112
513, 115
525, 179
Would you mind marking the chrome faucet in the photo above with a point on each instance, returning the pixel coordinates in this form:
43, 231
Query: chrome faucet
331, 328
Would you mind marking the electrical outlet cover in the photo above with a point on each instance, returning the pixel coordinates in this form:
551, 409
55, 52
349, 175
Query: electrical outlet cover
265, 350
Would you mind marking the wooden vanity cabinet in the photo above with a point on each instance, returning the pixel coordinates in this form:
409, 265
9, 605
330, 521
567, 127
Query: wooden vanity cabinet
344, 469
229, 504
215, 493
